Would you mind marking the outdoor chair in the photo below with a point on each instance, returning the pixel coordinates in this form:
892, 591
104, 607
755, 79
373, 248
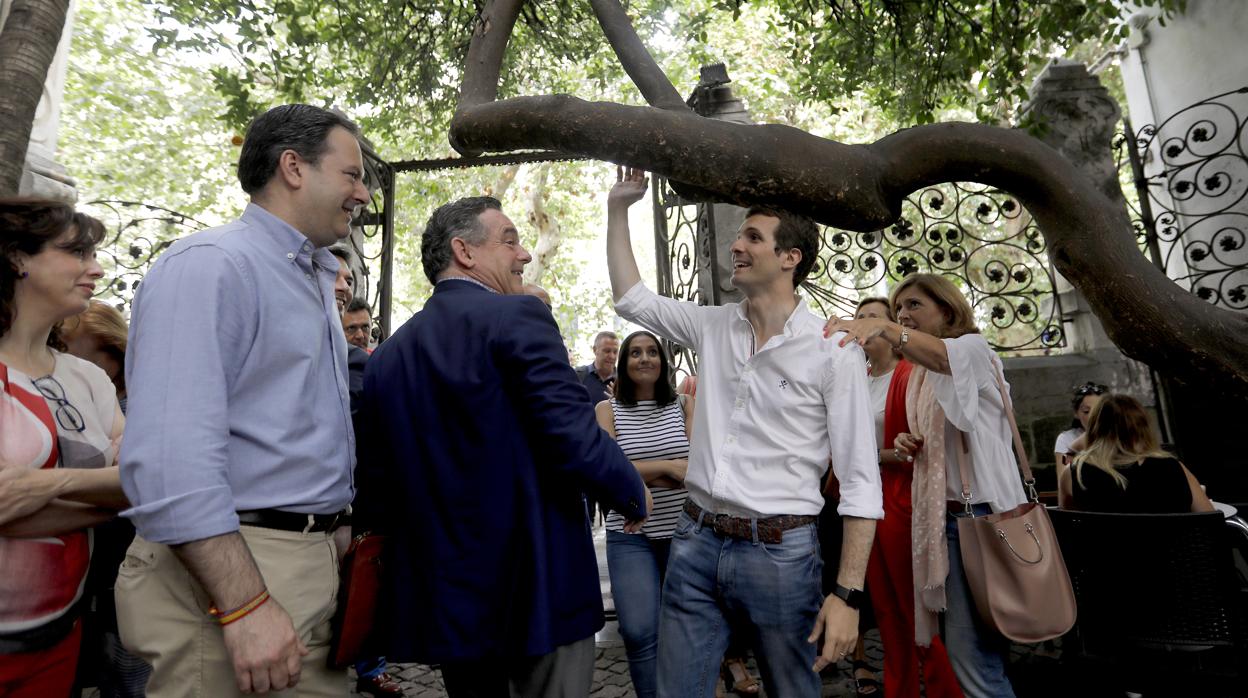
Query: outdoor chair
1159, 598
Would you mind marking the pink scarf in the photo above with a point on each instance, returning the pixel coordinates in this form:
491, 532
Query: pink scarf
930, 553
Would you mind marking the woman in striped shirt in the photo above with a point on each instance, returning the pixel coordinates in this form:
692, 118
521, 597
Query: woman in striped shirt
651, 425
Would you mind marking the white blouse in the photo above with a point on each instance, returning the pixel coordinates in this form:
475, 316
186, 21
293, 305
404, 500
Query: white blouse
972, 403
877, 386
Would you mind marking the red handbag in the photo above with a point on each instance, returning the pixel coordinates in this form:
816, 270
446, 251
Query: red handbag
357, 600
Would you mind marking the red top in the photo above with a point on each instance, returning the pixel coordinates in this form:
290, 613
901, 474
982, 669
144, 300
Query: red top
895, 405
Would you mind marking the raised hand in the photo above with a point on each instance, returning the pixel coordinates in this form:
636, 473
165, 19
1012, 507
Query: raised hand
630, 187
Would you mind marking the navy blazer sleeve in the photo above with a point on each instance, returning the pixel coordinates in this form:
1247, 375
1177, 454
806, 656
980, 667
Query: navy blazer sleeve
561, 425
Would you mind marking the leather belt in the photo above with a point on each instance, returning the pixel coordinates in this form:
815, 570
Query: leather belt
294, 521
770, 529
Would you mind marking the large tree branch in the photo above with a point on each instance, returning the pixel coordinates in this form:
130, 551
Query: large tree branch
862, 188
28, 42
484, 62
636, 60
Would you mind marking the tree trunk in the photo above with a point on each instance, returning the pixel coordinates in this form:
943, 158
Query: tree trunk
28, 42
862, 187
503, 183
549, 233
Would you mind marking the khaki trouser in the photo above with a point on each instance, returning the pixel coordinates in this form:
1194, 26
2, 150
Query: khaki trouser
162, 614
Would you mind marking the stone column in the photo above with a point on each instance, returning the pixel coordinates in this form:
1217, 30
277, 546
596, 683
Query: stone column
1073, 112
714, 99
42, 175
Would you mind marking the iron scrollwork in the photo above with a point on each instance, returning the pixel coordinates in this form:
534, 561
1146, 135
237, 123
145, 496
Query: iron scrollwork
682, 246
137, 234
372, 241
1191, 185
979, 237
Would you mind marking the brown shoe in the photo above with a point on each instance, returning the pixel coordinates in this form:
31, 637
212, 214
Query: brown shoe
379, 686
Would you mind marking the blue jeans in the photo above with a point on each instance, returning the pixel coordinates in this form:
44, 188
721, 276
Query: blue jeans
636, 565
767, 592
371, 667
976, 651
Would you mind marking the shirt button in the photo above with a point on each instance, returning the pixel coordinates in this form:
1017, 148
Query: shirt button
740, 404
308, 275
290, 255
732, 439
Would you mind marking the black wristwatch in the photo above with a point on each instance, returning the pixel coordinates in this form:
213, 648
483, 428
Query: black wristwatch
854, 598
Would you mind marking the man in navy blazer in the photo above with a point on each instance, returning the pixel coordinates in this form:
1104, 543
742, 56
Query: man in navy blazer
477, 445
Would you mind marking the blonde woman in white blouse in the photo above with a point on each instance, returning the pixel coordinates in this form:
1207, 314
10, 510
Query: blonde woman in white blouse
953, 388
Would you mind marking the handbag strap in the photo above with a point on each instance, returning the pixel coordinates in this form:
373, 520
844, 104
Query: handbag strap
1020, 453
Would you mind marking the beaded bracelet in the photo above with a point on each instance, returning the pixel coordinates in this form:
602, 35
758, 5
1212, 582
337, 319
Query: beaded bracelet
236, 614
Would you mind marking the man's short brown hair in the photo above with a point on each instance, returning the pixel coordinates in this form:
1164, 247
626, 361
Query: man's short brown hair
794, 232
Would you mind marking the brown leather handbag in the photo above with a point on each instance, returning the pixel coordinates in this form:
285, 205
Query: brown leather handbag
357, 600
1013, 564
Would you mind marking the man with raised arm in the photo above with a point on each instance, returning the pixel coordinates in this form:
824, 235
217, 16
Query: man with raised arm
775, 399
239, 450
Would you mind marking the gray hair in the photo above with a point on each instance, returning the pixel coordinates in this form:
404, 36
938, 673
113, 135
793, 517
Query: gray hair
457, 219
605, 334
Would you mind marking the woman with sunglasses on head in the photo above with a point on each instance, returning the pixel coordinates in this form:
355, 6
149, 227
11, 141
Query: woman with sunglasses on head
1085, 398
61, 426
953, 396
652, 425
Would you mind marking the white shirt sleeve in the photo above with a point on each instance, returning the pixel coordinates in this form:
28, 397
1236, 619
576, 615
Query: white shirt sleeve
971, 367
1065, 439
678, 321
851, 434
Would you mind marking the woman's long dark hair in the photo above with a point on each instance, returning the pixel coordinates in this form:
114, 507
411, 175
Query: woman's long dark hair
26, 226
626, 389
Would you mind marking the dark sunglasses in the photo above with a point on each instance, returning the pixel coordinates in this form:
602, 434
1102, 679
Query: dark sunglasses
1090, 389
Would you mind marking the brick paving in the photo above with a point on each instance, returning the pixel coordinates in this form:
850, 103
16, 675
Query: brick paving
610, 677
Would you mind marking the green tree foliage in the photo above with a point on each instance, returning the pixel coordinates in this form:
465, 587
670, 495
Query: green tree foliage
139, 127
911, 59
916, 58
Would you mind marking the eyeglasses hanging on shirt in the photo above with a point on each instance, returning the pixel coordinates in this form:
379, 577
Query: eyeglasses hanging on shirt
67, 416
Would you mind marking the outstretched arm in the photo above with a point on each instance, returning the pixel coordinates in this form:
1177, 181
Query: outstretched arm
630, 187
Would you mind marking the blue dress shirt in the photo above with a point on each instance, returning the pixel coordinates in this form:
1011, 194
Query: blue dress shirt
237, 381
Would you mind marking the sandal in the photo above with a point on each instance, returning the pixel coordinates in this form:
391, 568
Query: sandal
737, 678
870, 686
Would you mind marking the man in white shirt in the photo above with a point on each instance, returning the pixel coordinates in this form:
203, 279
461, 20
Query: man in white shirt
775, 398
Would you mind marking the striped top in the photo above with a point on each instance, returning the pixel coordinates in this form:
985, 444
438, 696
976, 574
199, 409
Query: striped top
646, 431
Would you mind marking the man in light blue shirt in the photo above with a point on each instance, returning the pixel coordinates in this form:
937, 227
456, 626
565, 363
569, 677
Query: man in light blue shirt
239, 451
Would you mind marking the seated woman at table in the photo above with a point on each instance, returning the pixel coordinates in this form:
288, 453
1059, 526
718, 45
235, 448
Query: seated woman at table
1122, 469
